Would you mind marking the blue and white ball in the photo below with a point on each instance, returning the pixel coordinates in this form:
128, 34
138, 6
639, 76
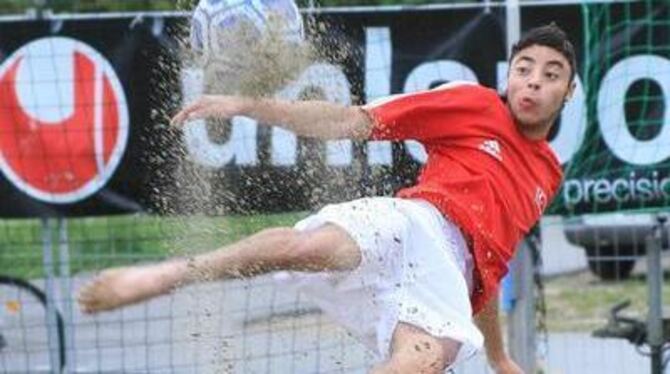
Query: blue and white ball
211, 17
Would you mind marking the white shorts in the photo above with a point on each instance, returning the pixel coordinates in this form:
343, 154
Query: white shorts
415, 268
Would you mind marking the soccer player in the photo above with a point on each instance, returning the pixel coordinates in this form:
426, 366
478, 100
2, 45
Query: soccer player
406, 274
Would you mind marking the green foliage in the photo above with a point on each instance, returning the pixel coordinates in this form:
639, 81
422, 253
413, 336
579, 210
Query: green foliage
581, 302
100, 242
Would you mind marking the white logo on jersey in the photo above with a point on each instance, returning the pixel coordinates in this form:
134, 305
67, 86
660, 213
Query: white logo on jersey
491, 147
540, 199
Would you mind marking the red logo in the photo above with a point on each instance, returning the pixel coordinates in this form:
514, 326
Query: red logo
63, 120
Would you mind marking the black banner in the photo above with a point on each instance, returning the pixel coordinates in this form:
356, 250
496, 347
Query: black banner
85, 105
53, 164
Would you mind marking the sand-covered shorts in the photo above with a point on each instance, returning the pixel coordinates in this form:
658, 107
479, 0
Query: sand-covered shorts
415, 268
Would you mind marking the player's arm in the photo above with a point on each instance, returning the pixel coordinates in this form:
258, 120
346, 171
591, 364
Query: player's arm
489, 323
318, 119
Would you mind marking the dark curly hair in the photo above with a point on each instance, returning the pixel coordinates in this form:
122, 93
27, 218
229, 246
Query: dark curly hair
550, 36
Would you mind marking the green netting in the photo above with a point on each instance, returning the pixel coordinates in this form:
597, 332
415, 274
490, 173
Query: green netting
624, 160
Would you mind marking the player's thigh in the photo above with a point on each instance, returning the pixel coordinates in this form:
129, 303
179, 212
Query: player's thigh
328, 247
416, 351
368, 232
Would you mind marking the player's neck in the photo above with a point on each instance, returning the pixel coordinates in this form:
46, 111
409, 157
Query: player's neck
535, 132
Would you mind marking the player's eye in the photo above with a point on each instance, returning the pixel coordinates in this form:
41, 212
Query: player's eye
551, 75
522, 70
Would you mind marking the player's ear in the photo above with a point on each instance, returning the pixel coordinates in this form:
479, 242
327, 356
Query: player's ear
571, 91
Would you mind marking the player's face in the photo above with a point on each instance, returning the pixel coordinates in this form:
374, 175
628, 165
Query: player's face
538, 85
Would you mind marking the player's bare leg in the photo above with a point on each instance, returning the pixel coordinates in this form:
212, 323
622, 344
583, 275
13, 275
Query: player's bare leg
127, 285
326, 248
415, 351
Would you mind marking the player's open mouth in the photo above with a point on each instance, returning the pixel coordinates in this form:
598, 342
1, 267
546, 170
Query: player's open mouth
526, 103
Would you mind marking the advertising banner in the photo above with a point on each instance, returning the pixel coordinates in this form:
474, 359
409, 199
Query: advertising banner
84, 107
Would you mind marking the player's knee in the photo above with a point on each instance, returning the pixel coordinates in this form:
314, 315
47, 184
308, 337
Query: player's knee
308, 252
325, 248
284, 241
418, 352
277, 244
291, 249
425, 359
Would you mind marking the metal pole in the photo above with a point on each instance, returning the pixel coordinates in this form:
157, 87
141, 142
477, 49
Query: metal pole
487, 6
521, 319
513, 23
655, 283
51, 321
66, 291
521, 328
40, 7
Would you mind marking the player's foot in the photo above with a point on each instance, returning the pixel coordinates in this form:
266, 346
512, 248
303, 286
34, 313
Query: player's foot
118, 287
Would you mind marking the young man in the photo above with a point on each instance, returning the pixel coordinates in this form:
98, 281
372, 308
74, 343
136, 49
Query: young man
404, 274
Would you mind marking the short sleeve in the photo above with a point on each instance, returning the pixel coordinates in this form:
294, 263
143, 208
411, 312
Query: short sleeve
428, 114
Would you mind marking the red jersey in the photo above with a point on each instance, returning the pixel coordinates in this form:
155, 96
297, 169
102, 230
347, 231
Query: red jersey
481, 171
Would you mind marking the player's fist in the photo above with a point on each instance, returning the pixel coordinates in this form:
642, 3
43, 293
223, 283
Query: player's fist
210, 106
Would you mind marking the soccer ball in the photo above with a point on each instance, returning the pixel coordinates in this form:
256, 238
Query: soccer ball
212, 18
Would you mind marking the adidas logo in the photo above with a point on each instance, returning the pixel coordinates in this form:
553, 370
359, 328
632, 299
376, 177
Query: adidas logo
491, 147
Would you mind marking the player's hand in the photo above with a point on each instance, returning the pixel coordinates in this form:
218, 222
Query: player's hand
209, 106
507, 366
